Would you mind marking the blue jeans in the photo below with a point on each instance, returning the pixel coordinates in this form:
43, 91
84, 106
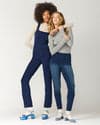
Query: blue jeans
67, 71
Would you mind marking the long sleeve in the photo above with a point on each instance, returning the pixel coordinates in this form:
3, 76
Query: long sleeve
70, 41
50, 44
30, 37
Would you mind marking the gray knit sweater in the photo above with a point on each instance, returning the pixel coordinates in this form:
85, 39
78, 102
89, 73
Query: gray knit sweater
58, 43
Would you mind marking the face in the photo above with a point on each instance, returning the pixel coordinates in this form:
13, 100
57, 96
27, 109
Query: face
56, 19
46, 16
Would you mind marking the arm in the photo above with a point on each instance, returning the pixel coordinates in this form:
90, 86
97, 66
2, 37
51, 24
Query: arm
29, 38
69, 42
50, 44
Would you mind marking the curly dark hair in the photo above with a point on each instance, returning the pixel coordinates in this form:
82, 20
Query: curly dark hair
41, 8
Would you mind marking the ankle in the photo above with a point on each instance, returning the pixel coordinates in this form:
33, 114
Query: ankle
29, 110
67, 114
46, 110
60, 112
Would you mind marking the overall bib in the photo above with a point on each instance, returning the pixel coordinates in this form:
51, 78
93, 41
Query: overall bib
41, 55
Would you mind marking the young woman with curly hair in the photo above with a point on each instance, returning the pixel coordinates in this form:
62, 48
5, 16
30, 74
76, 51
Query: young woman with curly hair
41, 55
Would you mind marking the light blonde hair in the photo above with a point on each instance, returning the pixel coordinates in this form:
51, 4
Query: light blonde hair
62, 22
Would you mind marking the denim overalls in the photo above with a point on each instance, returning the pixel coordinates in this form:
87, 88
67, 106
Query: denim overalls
41, 55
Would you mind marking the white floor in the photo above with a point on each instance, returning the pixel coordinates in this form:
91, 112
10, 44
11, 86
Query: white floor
86, 119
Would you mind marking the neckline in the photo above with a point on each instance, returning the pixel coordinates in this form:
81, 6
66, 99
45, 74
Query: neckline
40, 30
43, 32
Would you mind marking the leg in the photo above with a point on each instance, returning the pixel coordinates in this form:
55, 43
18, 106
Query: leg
68, 74
48, 84
55, 72
30, 70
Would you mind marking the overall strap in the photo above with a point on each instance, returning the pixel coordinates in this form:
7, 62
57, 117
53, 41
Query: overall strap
38, 26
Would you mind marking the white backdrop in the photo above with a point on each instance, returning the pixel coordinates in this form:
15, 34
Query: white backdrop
16, 21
